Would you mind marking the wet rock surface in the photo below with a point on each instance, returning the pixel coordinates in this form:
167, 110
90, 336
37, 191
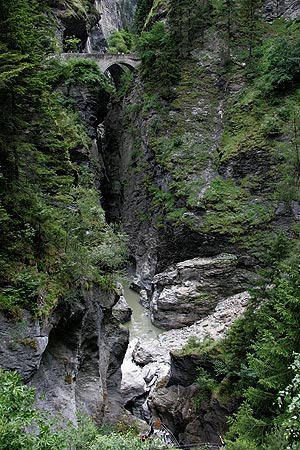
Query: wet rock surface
149, 369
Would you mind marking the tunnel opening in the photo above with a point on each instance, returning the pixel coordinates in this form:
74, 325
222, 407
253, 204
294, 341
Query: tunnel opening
75, 36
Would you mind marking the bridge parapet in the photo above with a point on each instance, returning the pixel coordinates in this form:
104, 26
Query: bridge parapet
105, 60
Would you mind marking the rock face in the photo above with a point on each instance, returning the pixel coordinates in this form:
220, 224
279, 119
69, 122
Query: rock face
191, 289
289, 9
122, 311
22, 344
92, 26
114, 15
110, 19
153, 368
70, 356
174, 397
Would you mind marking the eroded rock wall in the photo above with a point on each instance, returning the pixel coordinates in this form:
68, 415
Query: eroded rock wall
92, 24
223, 203
70, 356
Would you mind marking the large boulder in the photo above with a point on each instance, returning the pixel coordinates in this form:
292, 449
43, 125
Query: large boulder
190, 290
122, 311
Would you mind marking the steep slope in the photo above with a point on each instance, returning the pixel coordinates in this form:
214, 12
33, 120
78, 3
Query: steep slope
194, 167
58, 254
202, 159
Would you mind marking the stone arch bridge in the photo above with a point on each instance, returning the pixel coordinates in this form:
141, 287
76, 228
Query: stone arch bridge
114, 65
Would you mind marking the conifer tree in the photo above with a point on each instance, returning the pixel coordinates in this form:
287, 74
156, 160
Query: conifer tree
142, 11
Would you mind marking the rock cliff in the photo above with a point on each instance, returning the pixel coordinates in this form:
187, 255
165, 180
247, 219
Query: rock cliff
91, 22
70, 356
73, 352
190, 188
192, 177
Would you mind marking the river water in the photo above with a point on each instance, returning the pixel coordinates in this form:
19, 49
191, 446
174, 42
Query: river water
140, 323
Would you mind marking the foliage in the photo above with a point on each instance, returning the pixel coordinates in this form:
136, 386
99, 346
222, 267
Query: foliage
187, 21
230, 209
159, 62
51, 244
281, 65
261, 60
18, 414
76, 8
120, 42
74, 72
25, 428
72, 44
125, 84
257, 355
290, 398
206, 384
142, 11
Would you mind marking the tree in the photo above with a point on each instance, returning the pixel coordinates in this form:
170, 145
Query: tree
159, 59
289, 398
225, 18
142, 11
249, 24
17, 415
270, 358
188, 21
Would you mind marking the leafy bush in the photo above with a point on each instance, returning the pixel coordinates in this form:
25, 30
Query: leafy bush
25, 428
72, 44
78, 72
18, 414
289, 398
120, 42
159, 59
206, 384
282, 65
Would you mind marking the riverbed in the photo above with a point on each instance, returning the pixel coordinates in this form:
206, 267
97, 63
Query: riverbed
140, 324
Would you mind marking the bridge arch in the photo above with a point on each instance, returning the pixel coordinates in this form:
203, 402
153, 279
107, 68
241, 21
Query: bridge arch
105, 60
114, 65
116, 70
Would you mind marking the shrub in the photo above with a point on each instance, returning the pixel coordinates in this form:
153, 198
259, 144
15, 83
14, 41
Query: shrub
72, 44
282, 65
120, 42
159, 59
78, 72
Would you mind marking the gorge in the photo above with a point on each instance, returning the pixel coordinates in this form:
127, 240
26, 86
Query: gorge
174, 169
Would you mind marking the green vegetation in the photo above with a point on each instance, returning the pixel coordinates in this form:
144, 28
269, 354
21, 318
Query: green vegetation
159, 60
263, 115
230, 209
78, 72
53, 234
188, 21
72, 44
257, 67
17, 412
268, 358
77, 8
54, 237
142, 11
258, 362
120, 42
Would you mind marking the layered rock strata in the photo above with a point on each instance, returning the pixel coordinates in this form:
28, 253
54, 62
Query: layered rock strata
191, 289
